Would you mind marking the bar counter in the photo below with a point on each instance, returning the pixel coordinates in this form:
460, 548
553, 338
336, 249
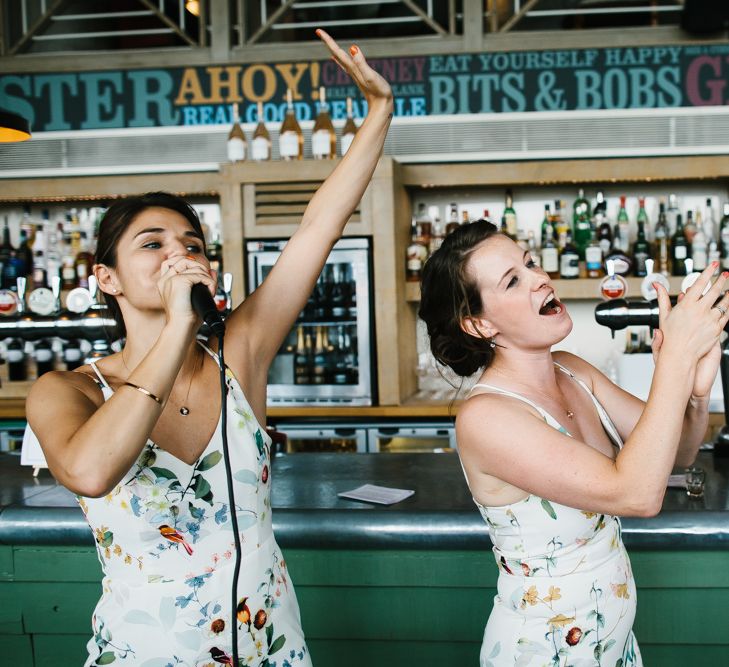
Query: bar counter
309, 514
409, 584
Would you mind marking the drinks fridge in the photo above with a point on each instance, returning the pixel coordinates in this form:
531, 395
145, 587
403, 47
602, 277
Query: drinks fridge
328, 356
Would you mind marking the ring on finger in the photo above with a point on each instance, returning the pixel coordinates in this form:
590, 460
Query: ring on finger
721, 309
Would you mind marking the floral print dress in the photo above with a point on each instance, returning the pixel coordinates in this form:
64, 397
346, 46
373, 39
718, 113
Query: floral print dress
565, 593
164, 539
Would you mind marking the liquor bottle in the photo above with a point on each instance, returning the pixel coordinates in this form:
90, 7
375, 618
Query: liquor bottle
532, 245
25, 254
453, 222
593, 257
53, 257
436, 240
559, 224
605, 236
44, 357
261, 141
622, 263
323, 136
237, 143
689, 227
662, 245
724, 238
17, 360
301, 361
623, 226
641, 252
546, 223
5, 249
349, 129
319, 366
290, 138
700, 250
12, 270
550, 254
510, 215
464, 217
599, 213
83, 263
425, 225
569, 261
581, 224
679, 249
709, 223
504, 229
643, 217
671, 213
74, 231
68, 262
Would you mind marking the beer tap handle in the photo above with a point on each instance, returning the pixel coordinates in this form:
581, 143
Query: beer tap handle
21, 282
93, 287
227, 287
56, 289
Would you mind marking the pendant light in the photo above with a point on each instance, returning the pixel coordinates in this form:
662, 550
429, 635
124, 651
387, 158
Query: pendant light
13, 127
193, 6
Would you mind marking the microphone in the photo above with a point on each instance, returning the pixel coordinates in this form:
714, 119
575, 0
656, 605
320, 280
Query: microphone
204, 306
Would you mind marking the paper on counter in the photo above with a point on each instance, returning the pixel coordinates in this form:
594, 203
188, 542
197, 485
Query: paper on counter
382, 495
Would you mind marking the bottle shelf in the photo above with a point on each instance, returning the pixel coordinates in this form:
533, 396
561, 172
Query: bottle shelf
582, 289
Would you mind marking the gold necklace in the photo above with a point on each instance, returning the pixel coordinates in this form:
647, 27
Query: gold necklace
184, 410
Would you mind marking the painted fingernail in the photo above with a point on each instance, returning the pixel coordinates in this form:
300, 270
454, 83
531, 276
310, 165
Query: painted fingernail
318, 32
725, 274
715, 264
353, 50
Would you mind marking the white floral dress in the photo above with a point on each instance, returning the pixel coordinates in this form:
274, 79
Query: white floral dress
164, 539
565, 593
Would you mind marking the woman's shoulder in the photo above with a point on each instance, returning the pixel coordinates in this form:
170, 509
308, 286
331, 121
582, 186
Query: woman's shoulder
581, 369
62, 386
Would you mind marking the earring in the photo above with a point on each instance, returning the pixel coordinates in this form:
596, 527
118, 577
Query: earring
492, 343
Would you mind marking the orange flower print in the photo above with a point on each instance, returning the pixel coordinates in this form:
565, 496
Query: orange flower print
554, 594
530, 597
620, 591
560, 620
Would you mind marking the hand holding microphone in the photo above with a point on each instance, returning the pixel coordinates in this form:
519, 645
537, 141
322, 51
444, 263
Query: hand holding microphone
181, 274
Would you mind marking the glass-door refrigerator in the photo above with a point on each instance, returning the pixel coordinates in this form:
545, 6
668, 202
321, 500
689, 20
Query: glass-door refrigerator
328, 356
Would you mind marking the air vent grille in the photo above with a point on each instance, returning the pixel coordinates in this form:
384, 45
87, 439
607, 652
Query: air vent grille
495, 137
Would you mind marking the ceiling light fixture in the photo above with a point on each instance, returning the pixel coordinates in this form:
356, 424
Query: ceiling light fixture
193, 6
13, 127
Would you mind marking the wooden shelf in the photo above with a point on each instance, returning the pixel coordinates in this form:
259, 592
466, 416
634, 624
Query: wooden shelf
586, 289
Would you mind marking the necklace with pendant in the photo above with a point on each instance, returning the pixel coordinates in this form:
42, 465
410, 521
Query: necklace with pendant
184, 410
570, 414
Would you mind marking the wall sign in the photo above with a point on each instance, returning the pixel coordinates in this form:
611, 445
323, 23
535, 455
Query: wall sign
555, 80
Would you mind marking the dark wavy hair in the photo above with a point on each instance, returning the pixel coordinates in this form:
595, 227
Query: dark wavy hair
448, 295
115, 222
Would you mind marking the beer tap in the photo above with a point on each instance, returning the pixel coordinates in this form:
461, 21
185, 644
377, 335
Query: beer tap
621, 313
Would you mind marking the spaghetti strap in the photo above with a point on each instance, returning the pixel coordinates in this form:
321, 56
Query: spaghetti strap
102, 379
545, 415
209, 351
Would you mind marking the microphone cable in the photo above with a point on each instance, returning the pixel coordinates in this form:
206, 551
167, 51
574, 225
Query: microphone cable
231, 498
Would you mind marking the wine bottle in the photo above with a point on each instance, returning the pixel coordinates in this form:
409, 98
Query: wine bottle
323, 137
290, 138
236, 139
261, 142
349, 129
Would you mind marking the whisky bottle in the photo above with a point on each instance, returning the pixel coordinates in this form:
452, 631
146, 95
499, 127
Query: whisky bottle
349, 129
453, 222
83, 263
236, 145
510, 215
323, 137
550, 255
689, 227
290, 138
261, 142
679, 249
581, 224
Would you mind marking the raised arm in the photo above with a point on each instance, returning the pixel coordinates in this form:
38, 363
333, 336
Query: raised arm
256, 329
497, 438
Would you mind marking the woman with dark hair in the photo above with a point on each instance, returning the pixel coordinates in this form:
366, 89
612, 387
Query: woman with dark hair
553, 451
137, 435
